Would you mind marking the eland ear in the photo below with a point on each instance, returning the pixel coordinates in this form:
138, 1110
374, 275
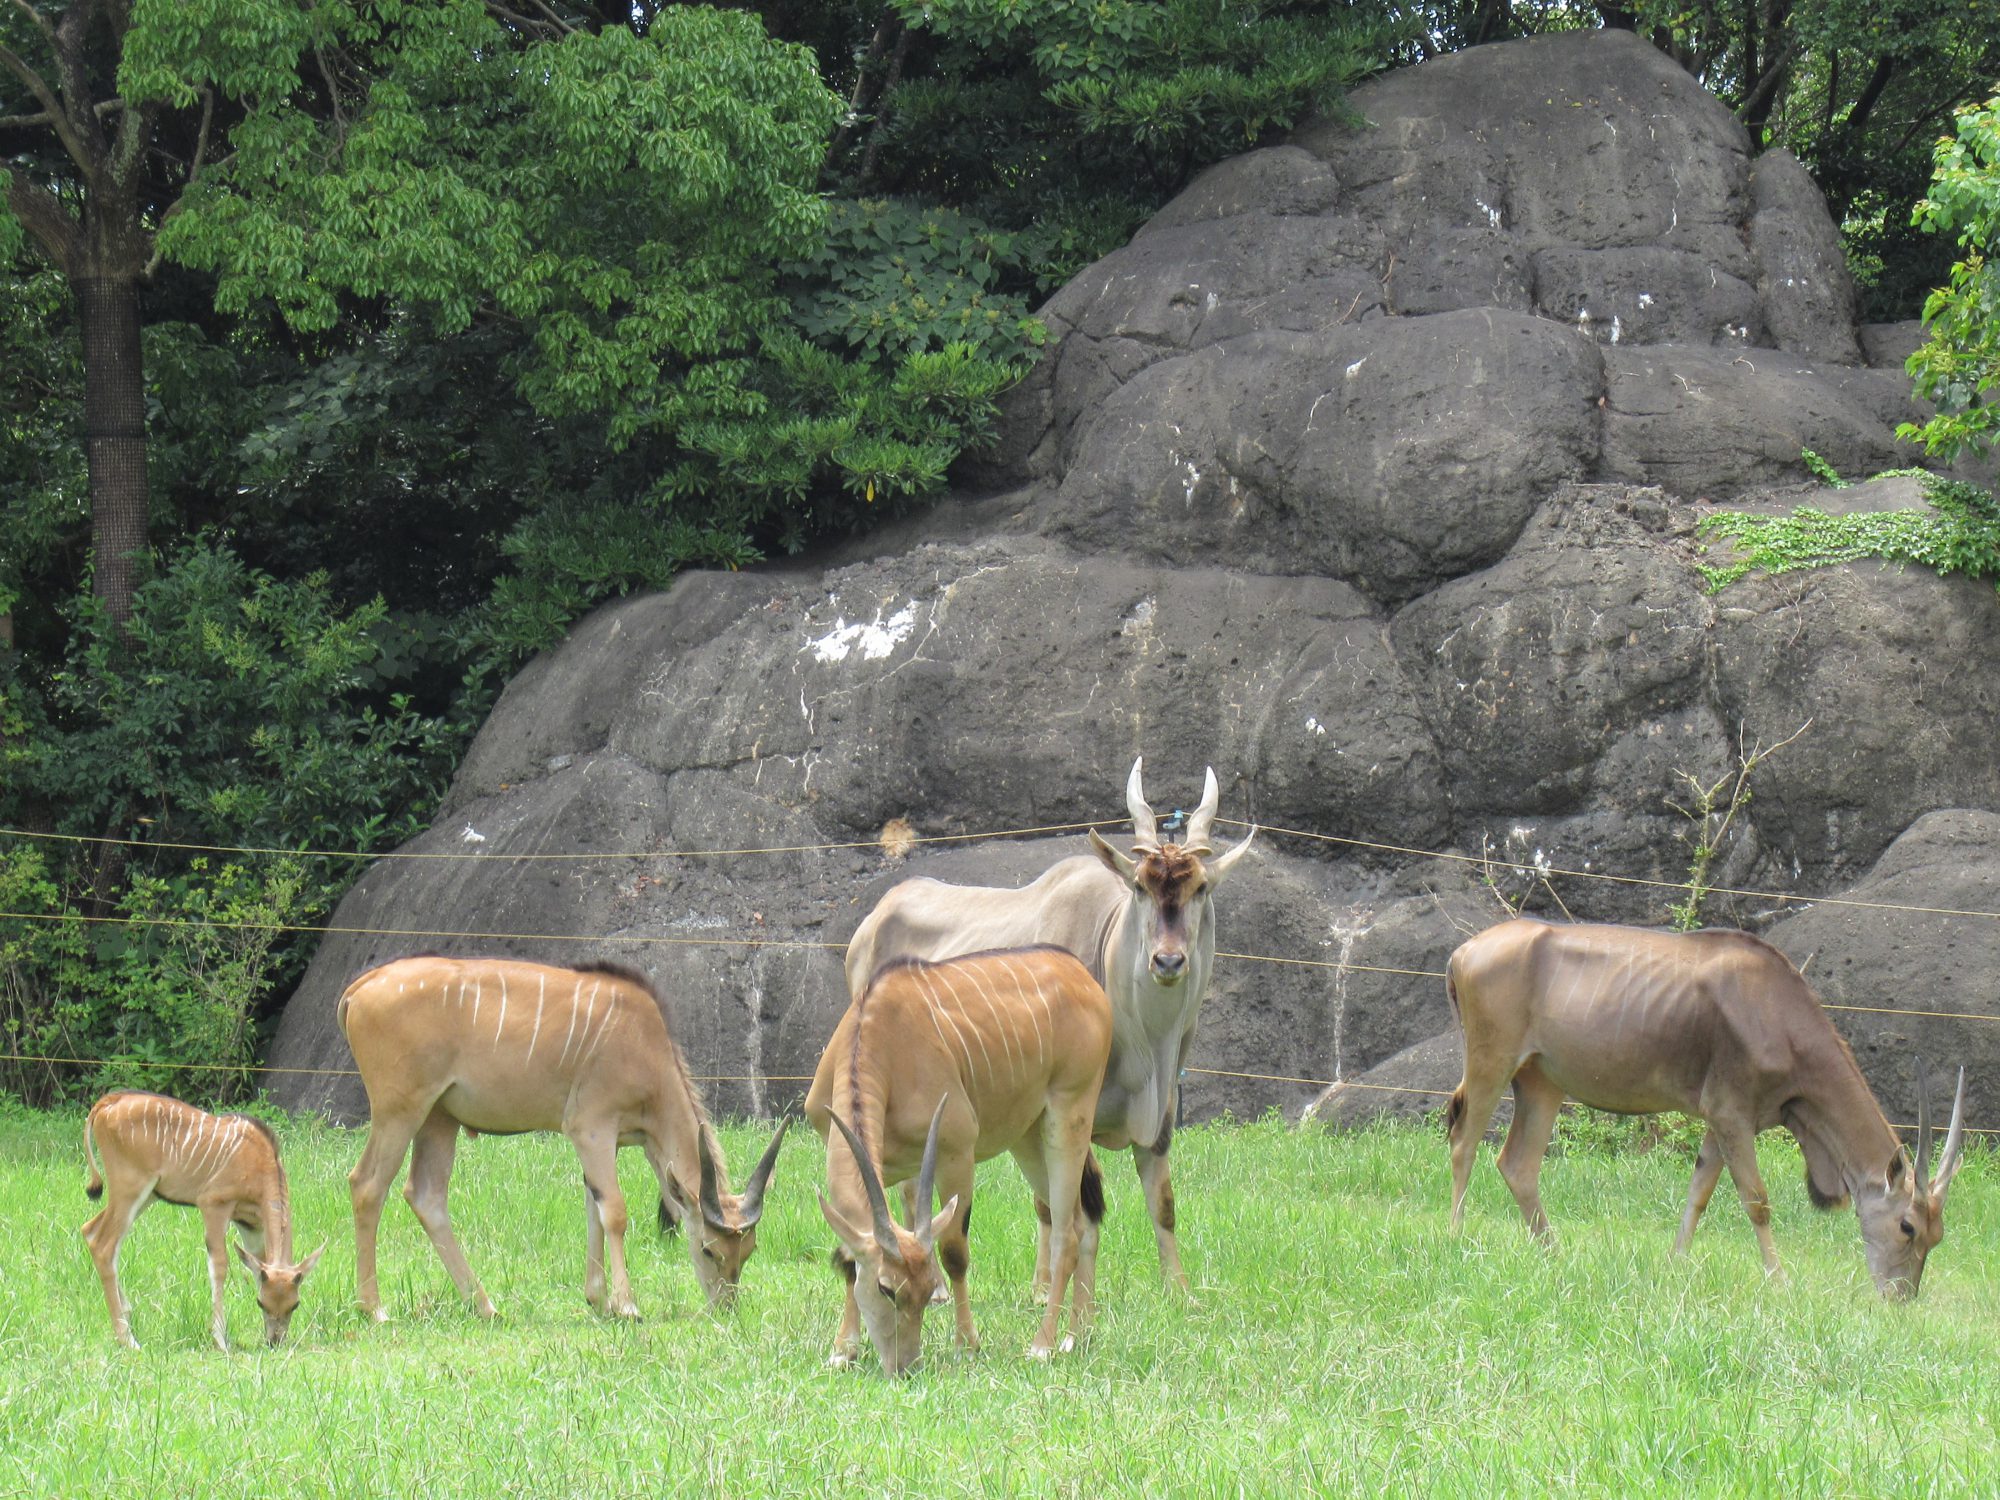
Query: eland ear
943, 1220
1219, 867
1121, 865
306, 1265
250, 1262
850, 1236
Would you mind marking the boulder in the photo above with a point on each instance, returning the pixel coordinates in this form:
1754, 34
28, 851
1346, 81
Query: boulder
1371, 473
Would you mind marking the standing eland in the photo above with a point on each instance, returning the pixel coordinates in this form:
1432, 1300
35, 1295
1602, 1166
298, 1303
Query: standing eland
1143, 925
938, 1066
224, 1165
500, 1047
1716, 1024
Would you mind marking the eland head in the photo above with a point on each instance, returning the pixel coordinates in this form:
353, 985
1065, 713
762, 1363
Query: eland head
1902, 1212
1171, 881
723, 1235
894, 1269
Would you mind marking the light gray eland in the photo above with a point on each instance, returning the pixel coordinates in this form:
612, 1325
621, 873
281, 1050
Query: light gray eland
1143, 925
500, 1047
1716, 1024
938, 1066
226, 1166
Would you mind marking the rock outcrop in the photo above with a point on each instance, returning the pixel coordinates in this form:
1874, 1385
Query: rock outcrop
1370, 474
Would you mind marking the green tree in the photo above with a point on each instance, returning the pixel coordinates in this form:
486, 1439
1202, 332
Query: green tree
1958, 366
1068, 124
112, 112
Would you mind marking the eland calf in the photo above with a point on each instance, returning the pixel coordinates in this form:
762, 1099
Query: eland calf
1143, 924
1716, 1024
500, 1047
937, 1066
151, 1146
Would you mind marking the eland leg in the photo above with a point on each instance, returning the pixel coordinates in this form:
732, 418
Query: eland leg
105, 1235
1074, 1178
1739, 1150
1159, 1188
1536, 1103
597, 1149
431, 1160
954, 1251
1049, 1181
1040, 1285
847, 1338
1465, 1122
215, 1239
1083, 1299
367, 1186
1707, 1172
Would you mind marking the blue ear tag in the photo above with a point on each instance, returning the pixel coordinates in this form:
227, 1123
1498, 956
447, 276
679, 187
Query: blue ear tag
1174, 824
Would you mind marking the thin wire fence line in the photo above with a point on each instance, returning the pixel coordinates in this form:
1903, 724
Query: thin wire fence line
414, 932
1643, 880
750, 942
498, 856
1448, 855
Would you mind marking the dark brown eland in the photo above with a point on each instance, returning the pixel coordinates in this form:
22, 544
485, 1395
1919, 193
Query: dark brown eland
938, 1066
1716, 1024
226, 1166
499, 1047
1144, 926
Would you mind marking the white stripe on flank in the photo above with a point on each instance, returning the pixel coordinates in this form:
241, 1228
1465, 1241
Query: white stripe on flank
475, 1002
603, 1028
999, 1015
215, 1151
225, 1147
501, 1024
541, 994
976, 1035
196, 1142
1041, 1040
937, 1009
573, 994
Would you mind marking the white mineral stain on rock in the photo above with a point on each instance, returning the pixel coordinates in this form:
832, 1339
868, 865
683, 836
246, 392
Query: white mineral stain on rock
871, 642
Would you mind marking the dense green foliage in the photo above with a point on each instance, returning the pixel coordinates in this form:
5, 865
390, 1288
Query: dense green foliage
231, 711
1342, 1342
1958, 368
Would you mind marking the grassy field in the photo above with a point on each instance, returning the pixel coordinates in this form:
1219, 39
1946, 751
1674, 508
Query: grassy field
1341, 1343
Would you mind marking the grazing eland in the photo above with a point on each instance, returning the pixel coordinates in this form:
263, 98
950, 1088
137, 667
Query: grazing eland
152, 1147
500, 1047
1716, 1024
1143, 925
937, 1066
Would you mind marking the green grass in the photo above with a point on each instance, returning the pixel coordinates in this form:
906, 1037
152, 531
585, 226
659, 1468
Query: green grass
1342, 1343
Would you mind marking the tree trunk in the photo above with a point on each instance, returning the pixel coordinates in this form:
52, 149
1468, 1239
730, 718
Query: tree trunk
114, 424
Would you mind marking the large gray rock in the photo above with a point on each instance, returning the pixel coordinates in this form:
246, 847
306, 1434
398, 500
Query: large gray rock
1271, 452
1369, 473
1905, 963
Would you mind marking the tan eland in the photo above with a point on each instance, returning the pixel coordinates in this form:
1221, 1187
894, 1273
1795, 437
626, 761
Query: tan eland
938, 1066
1716, 1024
226, 1166
500, 1047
